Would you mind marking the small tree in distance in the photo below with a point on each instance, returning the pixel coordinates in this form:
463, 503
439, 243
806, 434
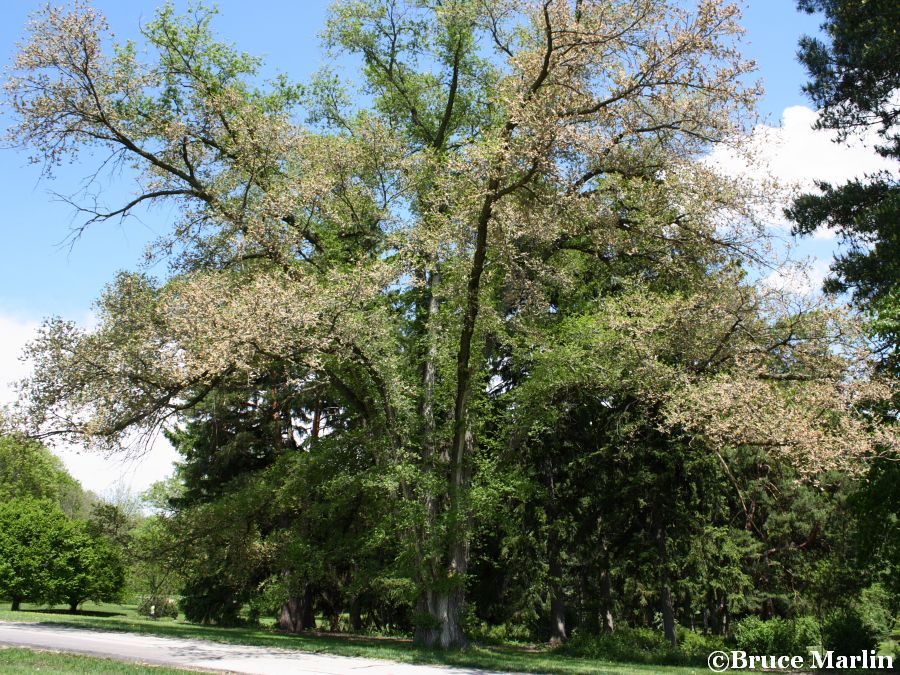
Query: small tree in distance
86, 568
45, 557
31, 532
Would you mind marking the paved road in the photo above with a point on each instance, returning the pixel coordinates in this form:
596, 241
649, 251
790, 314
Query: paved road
179, 652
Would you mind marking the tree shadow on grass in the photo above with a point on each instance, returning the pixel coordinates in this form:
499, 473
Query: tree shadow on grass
80, 612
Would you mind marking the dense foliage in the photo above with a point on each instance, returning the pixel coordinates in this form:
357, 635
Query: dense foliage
46, 557
855, 71
29, 470
473, 351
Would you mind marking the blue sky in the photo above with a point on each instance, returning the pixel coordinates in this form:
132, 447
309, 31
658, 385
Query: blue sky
41, 274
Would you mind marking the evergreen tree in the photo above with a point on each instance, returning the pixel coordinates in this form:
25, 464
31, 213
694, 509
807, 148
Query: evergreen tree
854, 75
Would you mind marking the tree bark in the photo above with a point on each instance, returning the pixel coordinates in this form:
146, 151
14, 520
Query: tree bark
16, 604
444, 608
666, 605
441, 605
607, 624
558, 633
73, 606
355, 615
297, 613
558, 618
723, 605
668, 614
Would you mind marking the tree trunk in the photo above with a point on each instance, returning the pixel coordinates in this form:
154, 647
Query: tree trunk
16, 604
441, 606
558, 618
558, 633
330, 610
444, 609
666, 606
73, 606
297, 613
668, 614
724, 608
355, 615
439, 610
607, 624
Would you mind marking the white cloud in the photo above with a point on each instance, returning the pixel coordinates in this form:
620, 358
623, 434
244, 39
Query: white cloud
106, 475
103, 475
14, 333
796, 156
800, 278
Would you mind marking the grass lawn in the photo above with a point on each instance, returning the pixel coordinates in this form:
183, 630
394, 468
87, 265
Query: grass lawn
16, 660
125, 618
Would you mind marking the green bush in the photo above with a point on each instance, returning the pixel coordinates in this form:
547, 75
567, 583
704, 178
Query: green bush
624, 644
875, 610
807, 633
501, 634
158, 608
208, 601
753, 635
862, 625
644, 645
697, 646
846, 632
777, 636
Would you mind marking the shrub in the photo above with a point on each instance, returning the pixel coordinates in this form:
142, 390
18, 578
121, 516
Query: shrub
846, 632
208, 601
500, 634
158, 608
807, 633
861, 625
875, 610
697, 646
644, 645
777, 636
641, 645
753, 635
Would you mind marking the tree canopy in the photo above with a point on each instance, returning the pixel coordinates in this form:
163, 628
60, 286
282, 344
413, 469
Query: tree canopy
47, 557
501, 267
854, 75
29, 469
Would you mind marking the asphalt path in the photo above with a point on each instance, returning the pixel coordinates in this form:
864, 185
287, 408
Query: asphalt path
182, 653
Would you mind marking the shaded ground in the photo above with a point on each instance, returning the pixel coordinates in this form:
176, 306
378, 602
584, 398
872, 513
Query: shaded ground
80, 612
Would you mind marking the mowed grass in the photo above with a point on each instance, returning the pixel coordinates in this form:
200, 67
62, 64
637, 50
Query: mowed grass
497, 658
17, 660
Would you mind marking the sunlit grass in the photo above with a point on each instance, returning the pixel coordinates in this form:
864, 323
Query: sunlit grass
18, 660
